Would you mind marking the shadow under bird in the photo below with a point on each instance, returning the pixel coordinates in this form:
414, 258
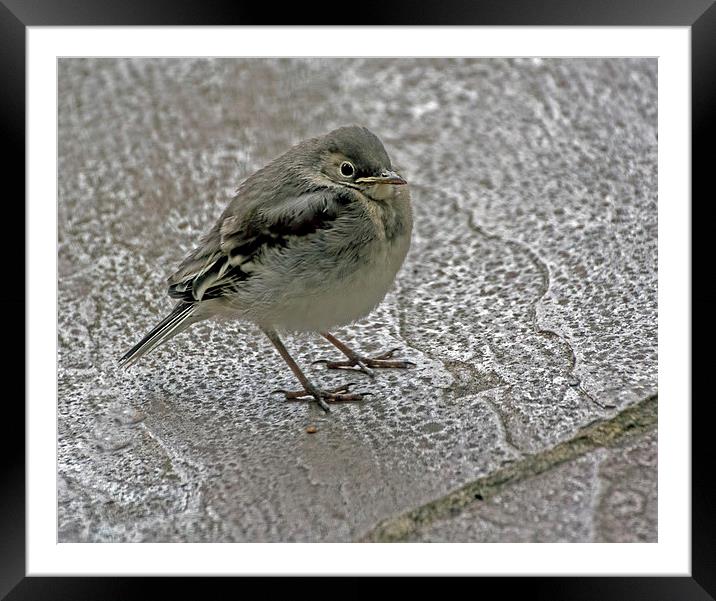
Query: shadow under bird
310, 242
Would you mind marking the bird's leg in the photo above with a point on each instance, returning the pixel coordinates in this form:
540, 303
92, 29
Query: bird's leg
363, 364
322, 397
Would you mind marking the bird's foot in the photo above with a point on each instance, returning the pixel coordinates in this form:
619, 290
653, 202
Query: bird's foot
364, 364
323, 397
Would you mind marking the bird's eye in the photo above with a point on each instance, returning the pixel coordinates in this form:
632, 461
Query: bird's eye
347, 170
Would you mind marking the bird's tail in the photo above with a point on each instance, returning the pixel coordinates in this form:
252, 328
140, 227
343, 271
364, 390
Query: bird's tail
177, 321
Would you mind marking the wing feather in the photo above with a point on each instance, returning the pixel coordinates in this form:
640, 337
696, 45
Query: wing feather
229, 253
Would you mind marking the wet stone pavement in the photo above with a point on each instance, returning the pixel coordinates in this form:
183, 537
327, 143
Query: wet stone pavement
528, 302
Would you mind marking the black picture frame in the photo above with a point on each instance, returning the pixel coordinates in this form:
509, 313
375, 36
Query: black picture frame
17, 15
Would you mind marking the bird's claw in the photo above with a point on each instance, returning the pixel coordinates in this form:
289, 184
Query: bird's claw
364, 364
323, 397
350, 365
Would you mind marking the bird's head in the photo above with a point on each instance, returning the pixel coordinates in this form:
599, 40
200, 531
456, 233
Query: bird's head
354, 157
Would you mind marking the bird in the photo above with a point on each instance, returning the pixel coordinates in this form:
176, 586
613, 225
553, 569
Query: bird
310, 242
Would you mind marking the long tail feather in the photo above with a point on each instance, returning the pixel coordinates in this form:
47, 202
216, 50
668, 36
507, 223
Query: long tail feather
177, 321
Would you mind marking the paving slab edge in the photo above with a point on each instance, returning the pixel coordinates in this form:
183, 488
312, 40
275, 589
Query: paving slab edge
635, 420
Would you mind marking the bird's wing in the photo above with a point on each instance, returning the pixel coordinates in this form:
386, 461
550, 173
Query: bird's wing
229, 253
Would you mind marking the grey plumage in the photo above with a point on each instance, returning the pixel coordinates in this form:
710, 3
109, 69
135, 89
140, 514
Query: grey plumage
310, 242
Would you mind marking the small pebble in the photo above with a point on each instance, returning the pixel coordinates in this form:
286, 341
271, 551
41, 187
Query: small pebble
311, 430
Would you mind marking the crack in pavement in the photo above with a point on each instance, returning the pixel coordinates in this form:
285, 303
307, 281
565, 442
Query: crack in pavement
447, 365
634, 420
506, 434
546, 282
459, 389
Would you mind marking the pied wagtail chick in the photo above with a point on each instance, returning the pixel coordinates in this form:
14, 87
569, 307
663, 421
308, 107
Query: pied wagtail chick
311, 242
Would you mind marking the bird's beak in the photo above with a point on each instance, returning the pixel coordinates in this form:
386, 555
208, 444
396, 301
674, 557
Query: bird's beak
387, 177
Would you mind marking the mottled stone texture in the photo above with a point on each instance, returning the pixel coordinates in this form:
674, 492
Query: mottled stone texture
528, 301
604, 496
